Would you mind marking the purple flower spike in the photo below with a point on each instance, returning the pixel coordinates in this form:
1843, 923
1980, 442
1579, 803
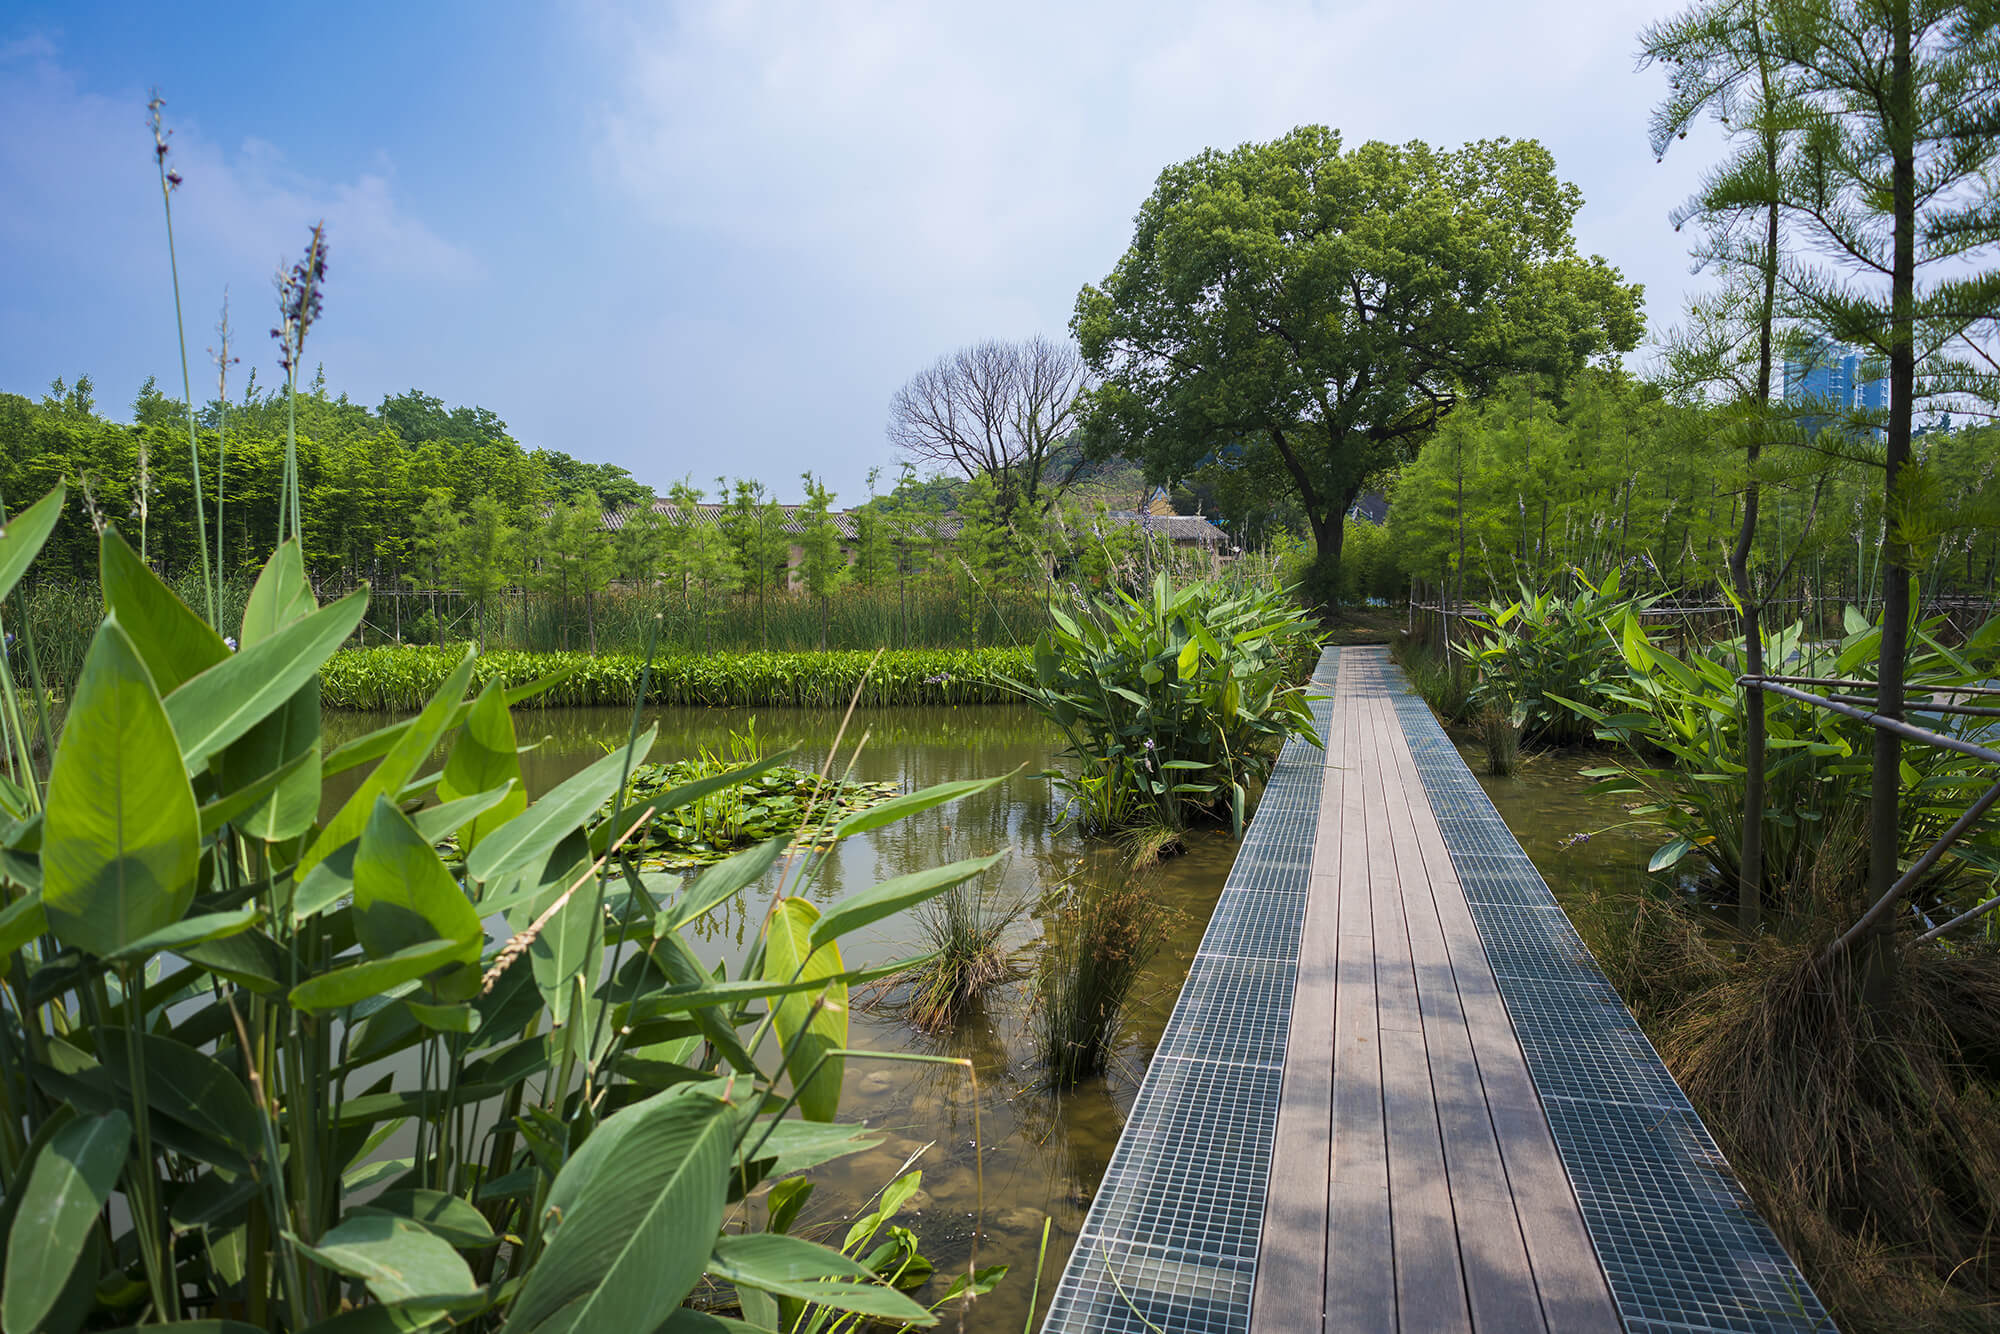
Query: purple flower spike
299, 302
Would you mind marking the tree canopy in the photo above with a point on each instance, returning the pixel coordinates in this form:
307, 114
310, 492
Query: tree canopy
1328, 307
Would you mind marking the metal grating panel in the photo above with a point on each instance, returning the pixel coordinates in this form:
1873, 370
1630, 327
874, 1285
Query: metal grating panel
1171, 1238
1682, 1247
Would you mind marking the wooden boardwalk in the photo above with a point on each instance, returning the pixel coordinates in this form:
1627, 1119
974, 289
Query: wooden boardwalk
1398, 1094
1421, 1188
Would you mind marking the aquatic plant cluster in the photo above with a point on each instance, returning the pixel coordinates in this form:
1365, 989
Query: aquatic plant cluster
776, 801
208, 980
1169, 705
400, 678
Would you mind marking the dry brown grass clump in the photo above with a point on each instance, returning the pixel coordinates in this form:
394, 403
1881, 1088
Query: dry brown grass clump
1869, 1135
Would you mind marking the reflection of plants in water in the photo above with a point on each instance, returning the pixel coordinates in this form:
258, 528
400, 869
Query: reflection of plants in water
1100, 936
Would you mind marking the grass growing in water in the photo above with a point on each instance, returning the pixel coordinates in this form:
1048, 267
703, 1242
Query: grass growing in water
1100, 938
1500, 734
964, 931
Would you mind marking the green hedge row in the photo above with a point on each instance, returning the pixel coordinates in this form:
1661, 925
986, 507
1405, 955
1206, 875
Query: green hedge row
400, 679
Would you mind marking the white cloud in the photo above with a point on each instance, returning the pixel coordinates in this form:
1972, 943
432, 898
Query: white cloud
82, 194
971, 166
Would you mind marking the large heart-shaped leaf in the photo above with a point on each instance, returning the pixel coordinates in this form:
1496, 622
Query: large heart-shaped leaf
810, 1024
121, 840
231, 697
485, 757
399, 1260
631, 1218
403, 895
70, 1181
174, 643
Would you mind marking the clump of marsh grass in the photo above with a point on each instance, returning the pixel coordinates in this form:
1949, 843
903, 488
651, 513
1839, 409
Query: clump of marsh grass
1500, 733
965, 932
1145, 845
1868, 1133
1100, 938
1438, 679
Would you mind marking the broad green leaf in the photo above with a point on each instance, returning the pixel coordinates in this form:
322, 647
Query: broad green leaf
254, 794
484, 757
1669, 854
570, 944
71, 1179
21, 922
902, 807
399, 1260
795, 1267
893, 896
195, 930
173, 642
439, 822
412, 747
630, 1220
22, 537
687, 1320
563, 809
286, 742
718, 884
121, 841
797, 1145
447, 1215
196, 1090
809, 1025
404, 896
230, 698
282, 595
712, 994
358, 982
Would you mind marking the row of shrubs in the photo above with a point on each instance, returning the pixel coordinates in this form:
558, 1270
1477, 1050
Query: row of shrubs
401, 678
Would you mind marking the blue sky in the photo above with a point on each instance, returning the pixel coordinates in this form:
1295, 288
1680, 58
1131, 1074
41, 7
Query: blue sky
716, 237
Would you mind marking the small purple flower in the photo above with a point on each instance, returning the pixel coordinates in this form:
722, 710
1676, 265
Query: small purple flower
1581, 836
230, 641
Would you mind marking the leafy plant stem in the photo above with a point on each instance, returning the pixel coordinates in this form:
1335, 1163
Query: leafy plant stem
146, 1187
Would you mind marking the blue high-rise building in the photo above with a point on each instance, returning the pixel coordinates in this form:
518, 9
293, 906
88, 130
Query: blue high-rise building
1835, 379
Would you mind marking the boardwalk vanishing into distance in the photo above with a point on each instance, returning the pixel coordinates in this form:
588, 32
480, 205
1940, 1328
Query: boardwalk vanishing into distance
1397, 1093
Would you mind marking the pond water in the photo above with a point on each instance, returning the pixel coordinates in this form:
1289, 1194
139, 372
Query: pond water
1044, 1153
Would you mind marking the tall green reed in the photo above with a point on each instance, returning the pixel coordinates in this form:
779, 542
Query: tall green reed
170, 181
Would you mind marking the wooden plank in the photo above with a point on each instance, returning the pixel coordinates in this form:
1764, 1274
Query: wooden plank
1568, 1279
1430, 1283
1360, 1280
1499, 1283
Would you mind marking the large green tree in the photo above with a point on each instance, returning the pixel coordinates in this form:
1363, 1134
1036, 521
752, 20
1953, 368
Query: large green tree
1332, 306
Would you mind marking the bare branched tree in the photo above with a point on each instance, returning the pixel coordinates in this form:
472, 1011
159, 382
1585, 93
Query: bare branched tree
999, 410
